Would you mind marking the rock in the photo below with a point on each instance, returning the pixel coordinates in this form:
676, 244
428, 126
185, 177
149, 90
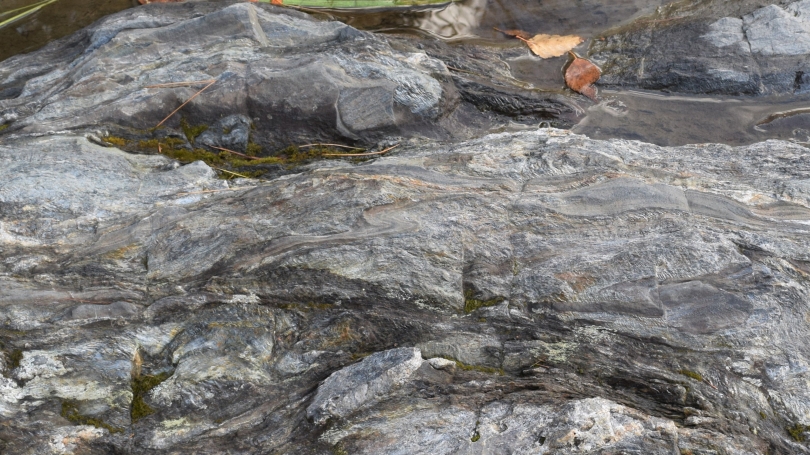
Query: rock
711, 48
231, 132
442, 364
596, 296
361, 384
627, 271
283, 78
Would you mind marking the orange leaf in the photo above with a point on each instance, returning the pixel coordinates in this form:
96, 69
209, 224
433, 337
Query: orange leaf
515, 33
580, 74
547, 46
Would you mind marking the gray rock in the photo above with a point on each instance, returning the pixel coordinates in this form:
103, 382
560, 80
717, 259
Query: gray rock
293, 79
711, 47
231, 132
363, 383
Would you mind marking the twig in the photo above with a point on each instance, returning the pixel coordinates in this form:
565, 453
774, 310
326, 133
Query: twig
214, 191
236, 153
229, 172
330, 145
362, 154
180, 84
710, 384
187, 101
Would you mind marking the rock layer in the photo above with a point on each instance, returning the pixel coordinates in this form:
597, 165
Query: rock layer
592, 297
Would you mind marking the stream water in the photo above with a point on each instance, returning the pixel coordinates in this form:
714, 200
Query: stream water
650, 116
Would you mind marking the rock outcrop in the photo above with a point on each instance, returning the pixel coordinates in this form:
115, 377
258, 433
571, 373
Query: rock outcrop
590, 295
712, 47
295, 79
520, 292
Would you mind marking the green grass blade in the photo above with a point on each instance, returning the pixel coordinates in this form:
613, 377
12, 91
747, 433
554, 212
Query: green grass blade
33, 5
27, 12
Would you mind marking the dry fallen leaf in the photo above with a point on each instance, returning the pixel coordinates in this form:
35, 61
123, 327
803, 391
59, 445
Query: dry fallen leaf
547, 46
515, 33
580, 74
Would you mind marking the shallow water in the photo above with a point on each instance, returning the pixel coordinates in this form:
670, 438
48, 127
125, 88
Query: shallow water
649, 116
676, 120
51, 22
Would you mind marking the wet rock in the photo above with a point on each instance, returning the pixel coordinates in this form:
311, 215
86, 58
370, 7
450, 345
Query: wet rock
711, 48
282, 78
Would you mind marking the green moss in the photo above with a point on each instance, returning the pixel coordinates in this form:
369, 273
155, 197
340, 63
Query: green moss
475, 437
116, 141
338, 449
14, 357
481, 368
2, 127
797, 432
190, 131
71, 412
140, 387
692, 374
253, 149
471, 304
762, 415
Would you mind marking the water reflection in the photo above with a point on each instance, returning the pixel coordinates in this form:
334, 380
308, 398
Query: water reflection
457, 20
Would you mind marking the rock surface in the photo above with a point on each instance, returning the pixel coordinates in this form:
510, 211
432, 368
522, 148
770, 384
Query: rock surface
713, 47
595, 297
295, 79
519, 292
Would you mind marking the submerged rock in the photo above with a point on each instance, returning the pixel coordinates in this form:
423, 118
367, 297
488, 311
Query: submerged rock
733, 48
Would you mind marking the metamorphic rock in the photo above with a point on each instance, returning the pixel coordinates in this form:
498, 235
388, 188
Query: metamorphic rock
528, 291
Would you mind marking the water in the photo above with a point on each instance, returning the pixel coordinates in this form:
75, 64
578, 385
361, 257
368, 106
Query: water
52, 22
648, 116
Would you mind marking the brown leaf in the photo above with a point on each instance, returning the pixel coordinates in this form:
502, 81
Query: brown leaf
515, 33
547, 46
580, 74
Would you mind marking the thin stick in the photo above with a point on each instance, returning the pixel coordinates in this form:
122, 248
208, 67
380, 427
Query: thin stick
180, 84
187, 101
236, 153
362, 154
229, 172
330, 145
215, 191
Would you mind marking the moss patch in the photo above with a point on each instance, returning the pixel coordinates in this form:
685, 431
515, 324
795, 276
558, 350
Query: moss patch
192, 131
475, 437
471, 304
797, 432
140, 387
253, 149
692, 374
2, 127
14, 356
71, 412
116, 141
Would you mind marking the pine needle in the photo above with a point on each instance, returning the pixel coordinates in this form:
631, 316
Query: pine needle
213, 81
237, 153
362, 154
180, 84
331, 145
